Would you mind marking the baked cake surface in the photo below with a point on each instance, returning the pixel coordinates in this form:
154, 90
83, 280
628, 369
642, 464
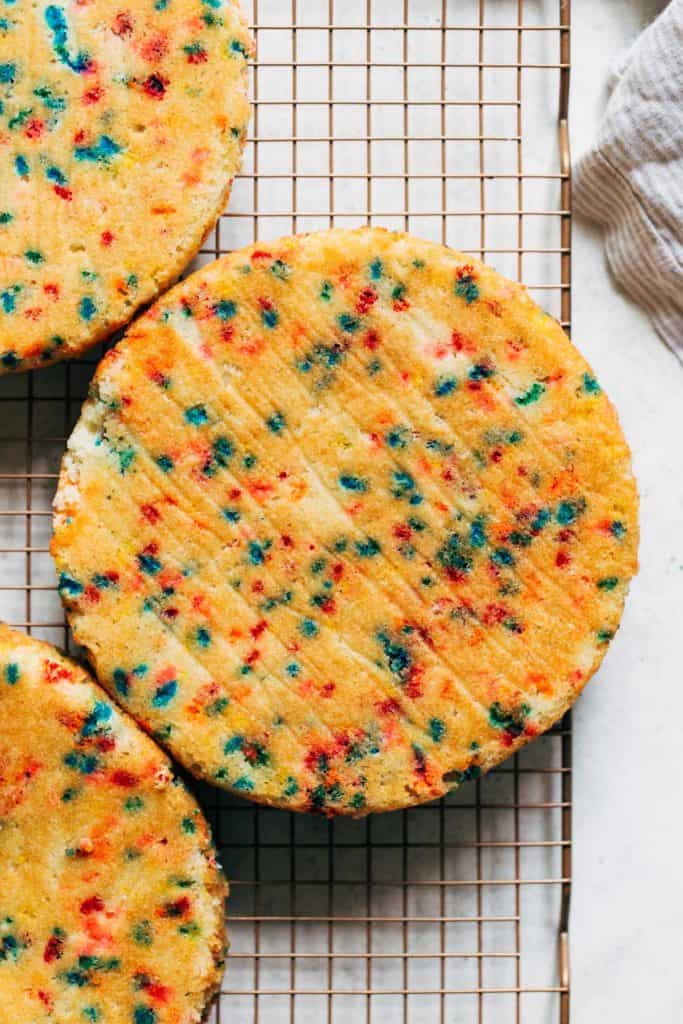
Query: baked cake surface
111, 903
346, 520
121, 128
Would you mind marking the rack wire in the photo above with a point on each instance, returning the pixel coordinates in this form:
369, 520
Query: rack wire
439, 117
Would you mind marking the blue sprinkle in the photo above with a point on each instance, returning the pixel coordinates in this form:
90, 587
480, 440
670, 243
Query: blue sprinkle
165, 693
86, 308
353, 483
8, 300
54, 174
196, 415
56, 22
477, 533
100, 713
203, 637
225, 309
256, 556
149, 564
121, 682
445, 385
68, 585
21, 166
84, 763
101, 153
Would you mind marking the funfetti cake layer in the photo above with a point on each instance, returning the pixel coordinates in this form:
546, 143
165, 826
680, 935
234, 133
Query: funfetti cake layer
111, 902
346, 520
121, 128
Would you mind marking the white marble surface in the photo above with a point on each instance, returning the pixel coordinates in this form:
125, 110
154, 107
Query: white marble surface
627, 898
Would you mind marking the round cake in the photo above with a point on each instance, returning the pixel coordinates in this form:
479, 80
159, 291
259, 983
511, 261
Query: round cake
345, 521
120, 131
111, 904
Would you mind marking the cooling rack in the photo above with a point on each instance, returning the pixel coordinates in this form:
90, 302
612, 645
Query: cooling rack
439, 117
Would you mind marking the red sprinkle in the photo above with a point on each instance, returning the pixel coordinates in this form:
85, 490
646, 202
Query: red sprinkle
122, 24
93, 95
35, 128
366, 299
150, 513
92, 905
155, 86
54, 949
124, 779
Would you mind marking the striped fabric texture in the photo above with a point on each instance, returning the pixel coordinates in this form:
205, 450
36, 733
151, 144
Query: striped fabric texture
632, 180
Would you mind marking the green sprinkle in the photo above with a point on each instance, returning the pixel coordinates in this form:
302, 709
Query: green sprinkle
348, 323
569, 511
291, 787
367, 548
276, 423
437, 730
142, 933
590, 385
280, 269
12, 673
532, 395
466, 288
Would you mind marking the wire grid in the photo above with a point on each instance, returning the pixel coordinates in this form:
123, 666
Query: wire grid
439, 117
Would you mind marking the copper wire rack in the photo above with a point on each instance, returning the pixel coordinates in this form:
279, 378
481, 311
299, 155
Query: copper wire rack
439, 117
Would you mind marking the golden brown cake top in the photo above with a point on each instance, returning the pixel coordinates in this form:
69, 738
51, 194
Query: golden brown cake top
360, 509
111, 902
121, 128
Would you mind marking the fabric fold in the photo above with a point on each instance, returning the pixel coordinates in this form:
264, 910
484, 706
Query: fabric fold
631, 182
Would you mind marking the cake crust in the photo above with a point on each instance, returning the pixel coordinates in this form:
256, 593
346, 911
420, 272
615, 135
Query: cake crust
123, 129
363, 510
112, 902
